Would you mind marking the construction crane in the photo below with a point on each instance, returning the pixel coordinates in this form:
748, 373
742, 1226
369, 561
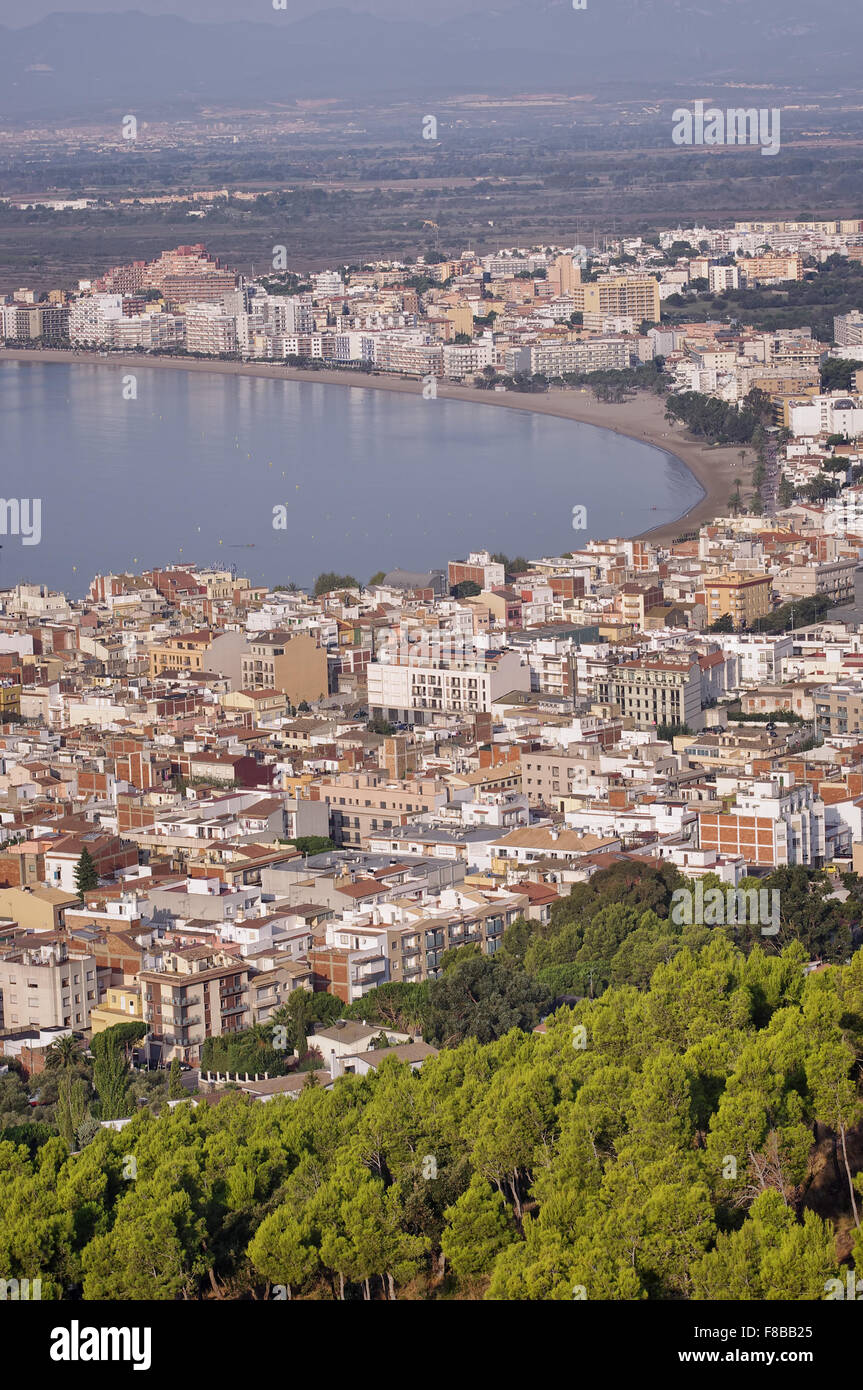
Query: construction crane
428, 223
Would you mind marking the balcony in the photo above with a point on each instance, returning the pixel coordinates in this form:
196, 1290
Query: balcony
371, 971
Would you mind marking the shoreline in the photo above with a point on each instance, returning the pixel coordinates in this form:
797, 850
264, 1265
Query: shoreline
641, 418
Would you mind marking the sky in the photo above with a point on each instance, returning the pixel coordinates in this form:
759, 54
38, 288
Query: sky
17, 13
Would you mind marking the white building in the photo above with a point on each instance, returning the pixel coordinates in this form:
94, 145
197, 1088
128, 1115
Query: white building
416, 691
827, 415
554, 358
467, 359
761, 658
146, 331
845, 512
209, 329
723, 277
327, 282
90, 318
848, 329
290, 314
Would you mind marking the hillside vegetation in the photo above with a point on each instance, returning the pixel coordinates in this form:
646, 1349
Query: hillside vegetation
694, 1139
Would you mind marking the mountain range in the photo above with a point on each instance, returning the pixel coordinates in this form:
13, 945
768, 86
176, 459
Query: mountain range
77, 64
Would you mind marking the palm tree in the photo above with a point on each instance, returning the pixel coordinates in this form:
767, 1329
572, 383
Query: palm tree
260, 1035
62, 1054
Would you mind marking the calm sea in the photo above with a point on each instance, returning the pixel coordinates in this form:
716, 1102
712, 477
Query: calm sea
193, 468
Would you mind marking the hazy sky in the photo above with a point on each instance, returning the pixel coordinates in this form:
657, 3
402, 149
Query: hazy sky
21, 12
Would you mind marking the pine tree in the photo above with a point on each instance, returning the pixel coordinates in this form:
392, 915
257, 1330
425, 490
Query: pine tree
71, 1107
111, 1076
176, 1089
477, 1230
86, 873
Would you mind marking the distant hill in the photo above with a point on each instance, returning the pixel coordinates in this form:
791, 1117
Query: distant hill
80, 63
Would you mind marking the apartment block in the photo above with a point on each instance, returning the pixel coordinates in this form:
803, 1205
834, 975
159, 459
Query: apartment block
839, 414
44, 986
467, 359
759, 270
655, 690
776, 824
723, 277
546, 777
91, 316
361, 953
552, 359
362, 803
636, 601
394, 353
839, 708
185, 652
187, 274
743, 597
291, 663
761, 657
834, 579
201, 992
848, 329
405, 691
478, 568
421, 946
635, 295
209, 329
26, 322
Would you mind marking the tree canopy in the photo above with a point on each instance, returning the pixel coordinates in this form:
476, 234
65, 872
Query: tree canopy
693, 1138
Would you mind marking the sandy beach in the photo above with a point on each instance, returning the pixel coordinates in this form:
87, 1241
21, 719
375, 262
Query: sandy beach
642, 417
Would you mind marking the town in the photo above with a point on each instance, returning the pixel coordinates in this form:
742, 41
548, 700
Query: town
327, 791
521, 316
281, 847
